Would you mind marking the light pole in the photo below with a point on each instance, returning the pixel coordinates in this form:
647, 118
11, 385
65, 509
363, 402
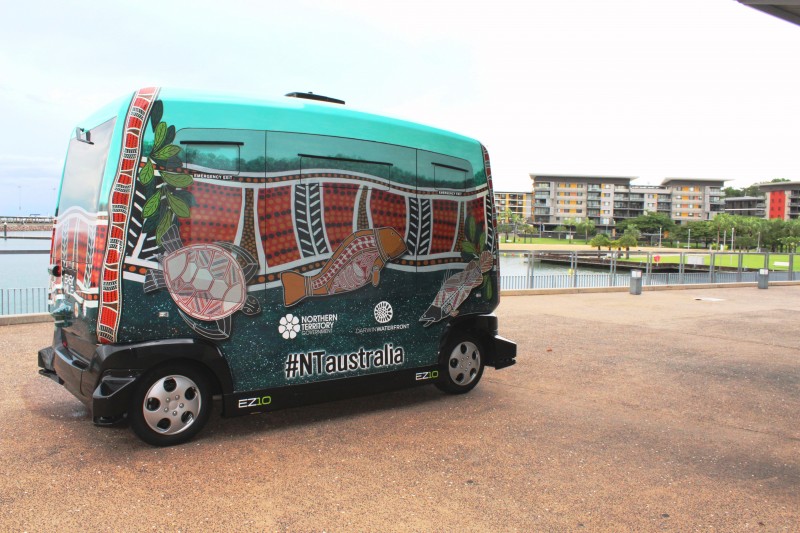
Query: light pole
659, 236
689, 241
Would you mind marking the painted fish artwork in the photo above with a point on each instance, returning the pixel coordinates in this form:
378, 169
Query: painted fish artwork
207, 282
357, 261
456, 288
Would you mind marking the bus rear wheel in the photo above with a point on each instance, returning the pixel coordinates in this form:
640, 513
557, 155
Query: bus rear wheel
170, 405
462, 365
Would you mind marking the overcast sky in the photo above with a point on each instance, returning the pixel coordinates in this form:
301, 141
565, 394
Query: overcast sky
639, 88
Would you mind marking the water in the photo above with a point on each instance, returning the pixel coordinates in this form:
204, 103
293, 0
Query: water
24, 270
517, 265
30, 270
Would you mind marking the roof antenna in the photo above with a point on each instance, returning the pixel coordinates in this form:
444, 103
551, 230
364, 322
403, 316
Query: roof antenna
317, 97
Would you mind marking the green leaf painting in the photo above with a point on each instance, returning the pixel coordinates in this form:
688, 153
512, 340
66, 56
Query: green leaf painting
161, 184
163, 226
166, 152
180, 181
146, 174
177, 205
151, 206
156, 113
161, 135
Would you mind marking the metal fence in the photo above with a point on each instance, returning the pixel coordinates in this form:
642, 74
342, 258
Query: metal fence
579, 270
23, 301
613, 269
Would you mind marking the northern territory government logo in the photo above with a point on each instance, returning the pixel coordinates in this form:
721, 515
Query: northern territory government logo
290, 326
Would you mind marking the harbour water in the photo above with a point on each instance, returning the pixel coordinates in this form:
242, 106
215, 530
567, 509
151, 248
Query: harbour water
24, 270
30, 270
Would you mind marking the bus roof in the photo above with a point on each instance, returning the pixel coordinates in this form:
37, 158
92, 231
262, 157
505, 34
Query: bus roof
189, 108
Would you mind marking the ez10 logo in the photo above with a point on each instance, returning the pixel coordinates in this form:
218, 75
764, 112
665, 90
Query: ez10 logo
433, 374
255, 402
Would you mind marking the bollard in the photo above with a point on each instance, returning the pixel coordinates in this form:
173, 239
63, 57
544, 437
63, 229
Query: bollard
636, 282
763, 278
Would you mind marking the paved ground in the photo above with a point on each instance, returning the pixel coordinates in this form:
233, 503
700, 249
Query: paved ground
674, 410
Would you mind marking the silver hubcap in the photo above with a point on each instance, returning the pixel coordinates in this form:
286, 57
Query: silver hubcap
464, 363
171, 405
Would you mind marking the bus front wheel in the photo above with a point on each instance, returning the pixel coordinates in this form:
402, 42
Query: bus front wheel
462, 364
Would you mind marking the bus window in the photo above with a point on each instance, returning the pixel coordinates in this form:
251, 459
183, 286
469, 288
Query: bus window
86, 164
444, 173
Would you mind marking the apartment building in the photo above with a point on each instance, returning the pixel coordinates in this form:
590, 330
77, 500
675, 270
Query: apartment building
782, 199
694, 199
746, 206
607, 200
558, 198
517, 203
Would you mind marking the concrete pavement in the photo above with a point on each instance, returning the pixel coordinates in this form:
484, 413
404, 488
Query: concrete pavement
673, 410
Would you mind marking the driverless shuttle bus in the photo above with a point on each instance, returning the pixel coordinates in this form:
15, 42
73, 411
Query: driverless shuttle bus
272, 253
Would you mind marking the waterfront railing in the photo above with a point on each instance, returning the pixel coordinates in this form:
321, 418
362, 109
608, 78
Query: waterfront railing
575, 270
592, 269
23, 301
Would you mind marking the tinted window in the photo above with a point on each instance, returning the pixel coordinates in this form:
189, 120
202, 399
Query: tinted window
83, 172
212, 156
443, 172
297, 151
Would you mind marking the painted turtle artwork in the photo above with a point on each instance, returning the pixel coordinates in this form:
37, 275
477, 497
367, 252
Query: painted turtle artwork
208, 282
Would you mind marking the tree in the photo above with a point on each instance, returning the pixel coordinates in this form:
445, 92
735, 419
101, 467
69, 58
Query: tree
649, 223
505, 228
723, 223
600, 240
586, 227
750, 190
516, 221
560, 229
570, 224
790, 243
629, 238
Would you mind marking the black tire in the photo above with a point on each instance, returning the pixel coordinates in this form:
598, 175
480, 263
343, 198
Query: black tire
462, 362
170, 405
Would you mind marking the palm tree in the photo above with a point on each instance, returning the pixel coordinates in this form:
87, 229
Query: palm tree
630, 238
600, 240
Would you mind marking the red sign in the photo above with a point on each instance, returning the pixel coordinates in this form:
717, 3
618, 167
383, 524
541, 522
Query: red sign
656, 258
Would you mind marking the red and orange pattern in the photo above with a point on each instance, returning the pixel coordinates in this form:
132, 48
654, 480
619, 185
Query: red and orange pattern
119, 213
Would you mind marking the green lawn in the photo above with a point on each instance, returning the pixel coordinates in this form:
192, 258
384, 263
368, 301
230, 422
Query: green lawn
540, 240
751, 261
